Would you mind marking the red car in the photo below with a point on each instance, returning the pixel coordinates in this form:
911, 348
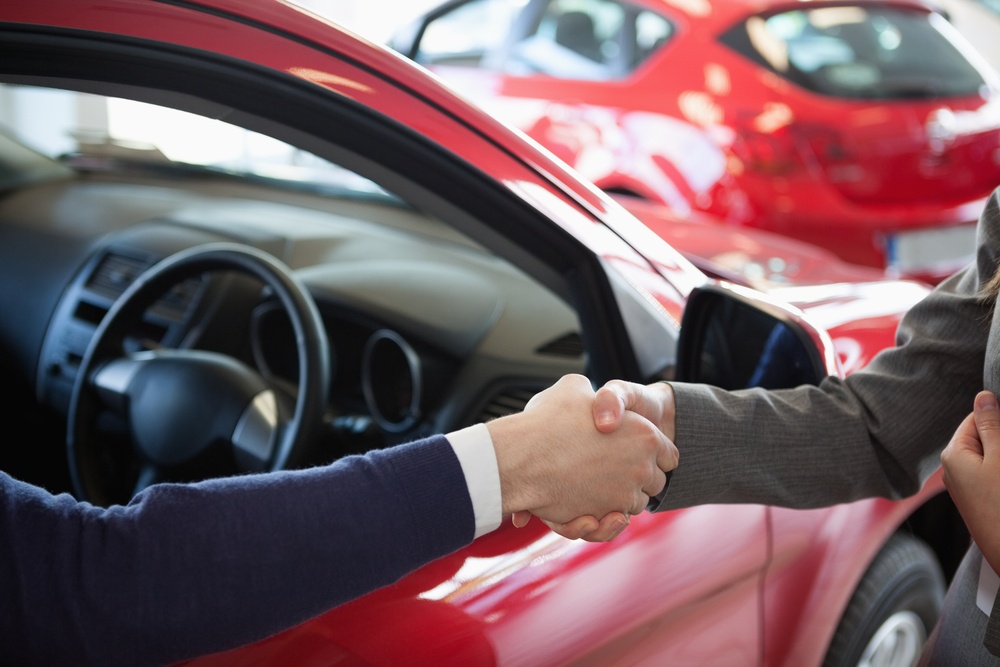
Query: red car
868, 127
456, 269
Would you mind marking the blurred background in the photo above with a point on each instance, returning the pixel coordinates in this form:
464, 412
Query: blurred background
978, 20
882, 150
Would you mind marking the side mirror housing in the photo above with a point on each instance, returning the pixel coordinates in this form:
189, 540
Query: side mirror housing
735, 337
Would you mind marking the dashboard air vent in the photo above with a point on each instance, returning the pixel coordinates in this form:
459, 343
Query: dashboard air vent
570, 345
114, 274
507, 402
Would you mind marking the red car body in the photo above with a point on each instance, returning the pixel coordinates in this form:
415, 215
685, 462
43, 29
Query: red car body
711, 585
818, 120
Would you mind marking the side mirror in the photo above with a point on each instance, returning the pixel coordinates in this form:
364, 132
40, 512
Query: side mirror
734, 337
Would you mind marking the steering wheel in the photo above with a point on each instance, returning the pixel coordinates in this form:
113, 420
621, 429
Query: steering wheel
140, 417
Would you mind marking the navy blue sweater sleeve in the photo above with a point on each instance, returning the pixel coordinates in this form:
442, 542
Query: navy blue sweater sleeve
185, 570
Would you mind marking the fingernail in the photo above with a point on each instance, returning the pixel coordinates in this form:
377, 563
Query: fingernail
604, 418
986, 401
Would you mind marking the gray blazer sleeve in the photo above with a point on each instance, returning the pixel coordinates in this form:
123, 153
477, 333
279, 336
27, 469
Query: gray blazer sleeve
992, 638
879, 432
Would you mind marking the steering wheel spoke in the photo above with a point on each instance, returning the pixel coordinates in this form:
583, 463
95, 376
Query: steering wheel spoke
111, 381
257, 431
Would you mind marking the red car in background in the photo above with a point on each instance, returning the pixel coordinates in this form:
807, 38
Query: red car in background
167, 168
752, 257
869, 127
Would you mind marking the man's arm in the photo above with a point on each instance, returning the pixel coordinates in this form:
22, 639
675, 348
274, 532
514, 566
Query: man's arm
188, 569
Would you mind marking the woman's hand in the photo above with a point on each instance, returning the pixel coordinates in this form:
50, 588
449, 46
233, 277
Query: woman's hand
971, 472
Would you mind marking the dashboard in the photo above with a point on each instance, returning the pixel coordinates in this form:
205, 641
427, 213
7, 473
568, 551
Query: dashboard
427, 331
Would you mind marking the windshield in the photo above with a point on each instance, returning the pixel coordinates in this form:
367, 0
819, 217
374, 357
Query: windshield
96, 132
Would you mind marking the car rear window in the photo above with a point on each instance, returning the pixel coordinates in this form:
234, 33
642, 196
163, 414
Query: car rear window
858, 52
593, 40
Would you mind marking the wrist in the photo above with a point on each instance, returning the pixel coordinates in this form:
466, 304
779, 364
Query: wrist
508, 435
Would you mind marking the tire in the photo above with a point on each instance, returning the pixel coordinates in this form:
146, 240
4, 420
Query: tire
893, 609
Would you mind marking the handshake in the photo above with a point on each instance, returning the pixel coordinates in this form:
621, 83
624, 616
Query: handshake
584, 462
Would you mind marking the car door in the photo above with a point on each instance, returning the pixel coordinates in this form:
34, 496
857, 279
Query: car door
681, 587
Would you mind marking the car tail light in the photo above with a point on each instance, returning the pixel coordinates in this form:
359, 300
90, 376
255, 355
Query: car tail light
825, 144
772, 153
789, 148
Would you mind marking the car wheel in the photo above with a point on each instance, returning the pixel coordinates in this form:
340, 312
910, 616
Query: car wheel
893, 609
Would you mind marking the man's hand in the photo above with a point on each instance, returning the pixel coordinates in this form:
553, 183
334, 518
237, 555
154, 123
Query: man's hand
555, 464
971, 472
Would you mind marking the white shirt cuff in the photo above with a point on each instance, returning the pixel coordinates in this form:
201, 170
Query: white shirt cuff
474, 448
